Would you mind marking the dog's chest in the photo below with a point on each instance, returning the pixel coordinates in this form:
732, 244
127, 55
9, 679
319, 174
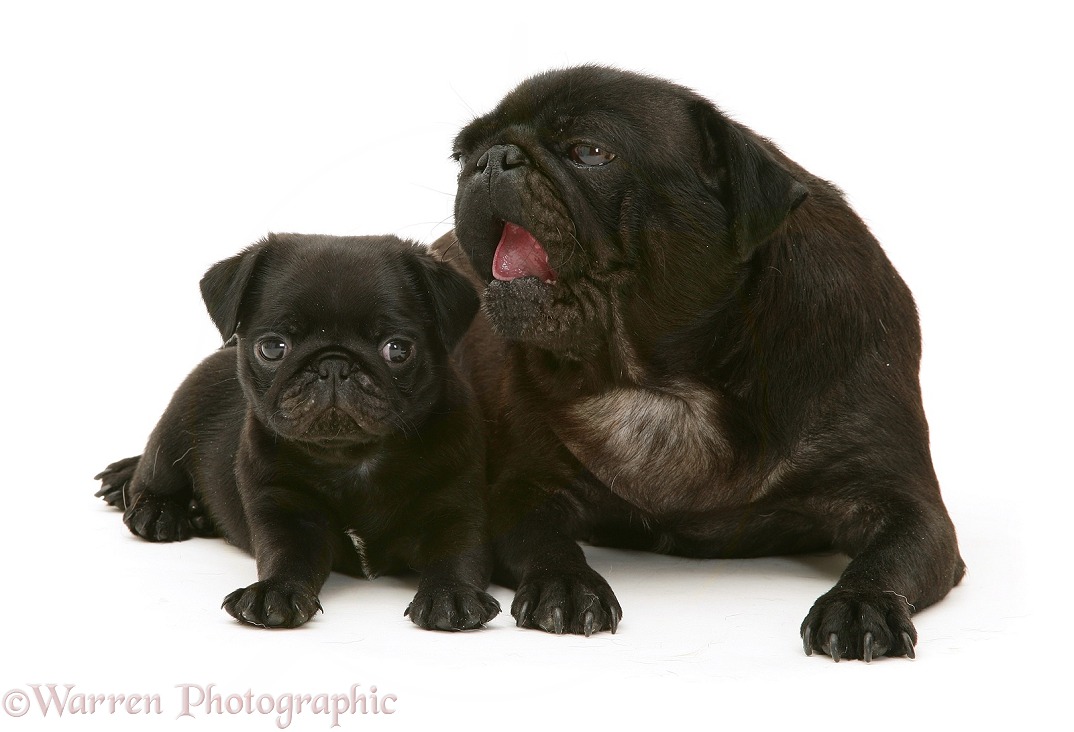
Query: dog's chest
659, 449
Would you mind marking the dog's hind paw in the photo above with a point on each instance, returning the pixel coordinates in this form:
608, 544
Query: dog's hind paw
272, 604
578, 602
114, 479
856, 624
461, 608
157, 518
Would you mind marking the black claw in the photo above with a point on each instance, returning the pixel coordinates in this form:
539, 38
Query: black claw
557, 620
588, 625
833, 647
867, 650
807, 640
908, 644
615, 620
521, 619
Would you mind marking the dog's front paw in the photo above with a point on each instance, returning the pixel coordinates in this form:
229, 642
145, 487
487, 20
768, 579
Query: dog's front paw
452, 608
114, 479
156, 518
859, 624
272, 604
576, 601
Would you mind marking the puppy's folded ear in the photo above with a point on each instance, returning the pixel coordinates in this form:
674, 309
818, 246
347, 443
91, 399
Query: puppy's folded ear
453, 297
225, 284
759, 191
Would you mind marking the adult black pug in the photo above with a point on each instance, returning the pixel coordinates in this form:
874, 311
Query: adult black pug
707, 354
335, 434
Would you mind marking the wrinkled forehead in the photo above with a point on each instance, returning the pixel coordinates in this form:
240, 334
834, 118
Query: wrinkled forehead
582, 101
356, 290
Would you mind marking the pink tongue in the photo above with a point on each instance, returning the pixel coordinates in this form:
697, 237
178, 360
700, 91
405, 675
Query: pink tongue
519, 254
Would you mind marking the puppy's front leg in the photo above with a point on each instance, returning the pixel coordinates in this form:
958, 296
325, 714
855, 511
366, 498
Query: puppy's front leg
457, 565
291, 541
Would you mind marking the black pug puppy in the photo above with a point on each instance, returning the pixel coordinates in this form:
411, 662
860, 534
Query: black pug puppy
335, 434
707, 354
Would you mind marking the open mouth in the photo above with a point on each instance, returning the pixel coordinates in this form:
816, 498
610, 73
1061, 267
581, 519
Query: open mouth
519, 254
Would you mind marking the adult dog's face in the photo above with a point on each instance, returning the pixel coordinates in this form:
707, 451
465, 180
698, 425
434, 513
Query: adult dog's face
340, 339
602, 205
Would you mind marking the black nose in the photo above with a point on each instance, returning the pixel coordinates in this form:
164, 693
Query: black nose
334, 367
499, 158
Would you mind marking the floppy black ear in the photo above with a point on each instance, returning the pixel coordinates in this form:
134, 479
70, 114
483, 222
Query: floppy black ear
454, 298
760, 191
224, 286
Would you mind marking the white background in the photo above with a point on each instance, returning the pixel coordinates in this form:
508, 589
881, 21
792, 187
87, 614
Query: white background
141, 142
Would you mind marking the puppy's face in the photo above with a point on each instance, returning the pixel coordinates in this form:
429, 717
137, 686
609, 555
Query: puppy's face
335, 350
341, 341
598, 202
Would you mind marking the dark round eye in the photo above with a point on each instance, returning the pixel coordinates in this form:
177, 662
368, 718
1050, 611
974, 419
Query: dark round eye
397, 350
272, 348
591, 155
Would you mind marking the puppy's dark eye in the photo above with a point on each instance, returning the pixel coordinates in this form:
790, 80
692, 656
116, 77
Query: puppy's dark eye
397, 350
591, 155
272, 348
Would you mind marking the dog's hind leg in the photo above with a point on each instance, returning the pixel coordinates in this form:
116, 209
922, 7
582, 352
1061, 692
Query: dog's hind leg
116, 480
156, 490
159, 498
